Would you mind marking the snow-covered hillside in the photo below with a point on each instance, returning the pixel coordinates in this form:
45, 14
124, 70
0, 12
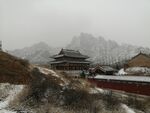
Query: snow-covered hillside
38, 53
7, 94
104, 51
56, 92
97, 48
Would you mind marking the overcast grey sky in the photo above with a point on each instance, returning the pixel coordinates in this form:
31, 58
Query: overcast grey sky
25, 22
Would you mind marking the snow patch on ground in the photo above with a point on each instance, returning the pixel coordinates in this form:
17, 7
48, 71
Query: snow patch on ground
127, 109
134, 70
51, 72
47, 71
14, 90
6, 111
138, 70
96, 90
121, 72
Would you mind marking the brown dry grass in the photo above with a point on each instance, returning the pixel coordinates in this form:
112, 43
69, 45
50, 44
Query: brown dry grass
13, 70
73, 97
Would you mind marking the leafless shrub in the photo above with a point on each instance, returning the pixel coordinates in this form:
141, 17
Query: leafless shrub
18, 102
46, 95
135, 103
110, 101
4, 90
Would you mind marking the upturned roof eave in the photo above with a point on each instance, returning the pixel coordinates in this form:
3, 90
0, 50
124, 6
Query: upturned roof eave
65, 61
58, 56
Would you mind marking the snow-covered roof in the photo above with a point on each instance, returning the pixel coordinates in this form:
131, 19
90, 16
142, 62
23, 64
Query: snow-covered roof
147, 55
124, 78
70, 53
107, 68
104, 68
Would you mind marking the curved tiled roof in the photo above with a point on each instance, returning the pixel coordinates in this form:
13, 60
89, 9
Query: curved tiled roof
70, 53
66, 61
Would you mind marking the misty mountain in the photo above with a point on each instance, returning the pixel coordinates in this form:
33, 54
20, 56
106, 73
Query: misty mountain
38, 53
99, 50
104, 51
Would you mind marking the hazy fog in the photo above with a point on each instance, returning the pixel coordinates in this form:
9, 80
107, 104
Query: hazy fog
24, 22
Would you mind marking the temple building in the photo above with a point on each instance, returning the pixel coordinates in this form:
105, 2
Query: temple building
69, 60
140, 60
139, 65
102, 70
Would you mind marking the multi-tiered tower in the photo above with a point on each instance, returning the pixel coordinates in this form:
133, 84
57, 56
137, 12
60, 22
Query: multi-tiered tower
69, 60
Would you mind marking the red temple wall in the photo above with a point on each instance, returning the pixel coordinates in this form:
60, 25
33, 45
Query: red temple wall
131, 87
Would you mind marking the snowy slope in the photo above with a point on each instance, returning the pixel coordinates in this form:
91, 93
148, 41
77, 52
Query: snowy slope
38, 53
10, 91
127, 109
104, 51
97, 48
